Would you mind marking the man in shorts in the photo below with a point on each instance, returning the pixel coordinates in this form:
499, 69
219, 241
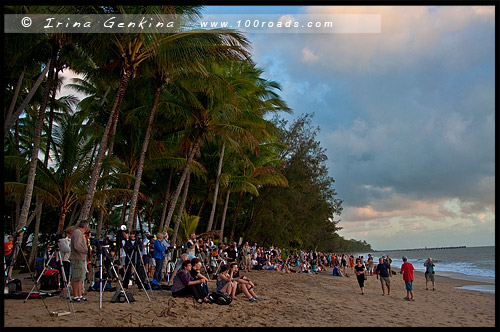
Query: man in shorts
78, 259
429, 273
407, 271
384, 271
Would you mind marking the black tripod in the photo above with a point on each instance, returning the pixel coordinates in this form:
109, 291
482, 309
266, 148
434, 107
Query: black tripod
132, 265
100, 252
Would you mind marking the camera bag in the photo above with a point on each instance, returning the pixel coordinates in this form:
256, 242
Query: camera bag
49, 280
14, 286
219, 298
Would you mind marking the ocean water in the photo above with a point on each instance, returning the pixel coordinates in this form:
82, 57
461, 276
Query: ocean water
470, 263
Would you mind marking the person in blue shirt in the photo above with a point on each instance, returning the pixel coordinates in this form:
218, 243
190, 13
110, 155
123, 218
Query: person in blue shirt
384, 271
429, 273
159, 255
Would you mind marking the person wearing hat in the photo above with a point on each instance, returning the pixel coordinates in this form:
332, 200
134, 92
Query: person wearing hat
429, 273
407, 271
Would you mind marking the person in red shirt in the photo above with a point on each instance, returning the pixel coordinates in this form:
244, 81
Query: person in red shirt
407, 271
7, 252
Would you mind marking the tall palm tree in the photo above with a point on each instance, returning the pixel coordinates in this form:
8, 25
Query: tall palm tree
136, 49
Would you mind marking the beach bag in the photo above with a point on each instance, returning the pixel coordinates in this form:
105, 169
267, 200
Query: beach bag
49, 280
220, 299
366, 277
14, 286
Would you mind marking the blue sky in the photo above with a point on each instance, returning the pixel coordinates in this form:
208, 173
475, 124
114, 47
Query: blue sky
406, 115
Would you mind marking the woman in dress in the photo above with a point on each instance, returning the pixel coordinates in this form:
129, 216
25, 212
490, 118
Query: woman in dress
359, 270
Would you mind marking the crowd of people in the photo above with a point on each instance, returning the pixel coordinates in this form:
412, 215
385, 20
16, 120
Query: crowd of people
153, 263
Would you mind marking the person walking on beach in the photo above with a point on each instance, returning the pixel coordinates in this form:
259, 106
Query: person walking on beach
360, 270
384, 271
429, 273
407, 271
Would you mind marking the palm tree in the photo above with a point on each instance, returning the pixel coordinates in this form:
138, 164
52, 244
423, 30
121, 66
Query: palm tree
138, 48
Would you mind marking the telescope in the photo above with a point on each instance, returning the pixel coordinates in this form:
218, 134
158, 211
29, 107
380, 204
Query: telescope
19, 232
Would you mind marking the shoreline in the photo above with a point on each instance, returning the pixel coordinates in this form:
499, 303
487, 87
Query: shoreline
290, 300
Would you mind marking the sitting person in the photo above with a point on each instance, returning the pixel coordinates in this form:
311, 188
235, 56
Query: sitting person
254, 264
337, 272
178, 266
244, 285
225, 282
195, 272
185, 285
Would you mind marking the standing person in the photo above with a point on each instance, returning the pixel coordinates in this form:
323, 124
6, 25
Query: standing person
429, 273
360, 270
125, 236
343, 262
370, 264
407, 271
78, 260
259, 258
159, 256
247, 256
384, 270
65, 249
7, 252
351, 261
145, 252
191, 246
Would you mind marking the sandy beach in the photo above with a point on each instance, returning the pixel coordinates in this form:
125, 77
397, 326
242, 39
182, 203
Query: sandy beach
295, 300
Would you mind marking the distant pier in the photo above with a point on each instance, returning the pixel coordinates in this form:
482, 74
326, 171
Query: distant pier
414, 249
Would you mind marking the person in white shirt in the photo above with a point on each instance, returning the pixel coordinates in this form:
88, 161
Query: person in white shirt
65, 249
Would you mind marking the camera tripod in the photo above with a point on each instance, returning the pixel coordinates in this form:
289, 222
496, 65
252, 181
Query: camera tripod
131, 265
101, 290
170, 267
57, 254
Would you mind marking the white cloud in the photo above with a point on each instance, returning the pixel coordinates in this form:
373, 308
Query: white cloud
410, 34
308, 55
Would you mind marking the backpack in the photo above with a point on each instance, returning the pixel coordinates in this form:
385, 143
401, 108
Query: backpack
221, 299
50, 280
14, 286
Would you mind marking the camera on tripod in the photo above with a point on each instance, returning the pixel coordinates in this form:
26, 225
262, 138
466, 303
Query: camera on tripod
54, 238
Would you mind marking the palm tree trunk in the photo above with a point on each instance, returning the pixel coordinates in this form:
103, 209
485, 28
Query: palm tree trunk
124, 211
113, 117
111, 144
39, 203
179, 186
142, 157
221, 235
236, 213
36, 142
217, 180
34, 247
73, 214
62, 219
18, 178
9, 122
16, 95
204, 202
181, 208
165, 203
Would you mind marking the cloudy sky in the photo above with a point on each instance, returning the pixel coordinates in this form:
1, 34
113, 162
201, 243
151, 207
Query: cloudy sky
406, 115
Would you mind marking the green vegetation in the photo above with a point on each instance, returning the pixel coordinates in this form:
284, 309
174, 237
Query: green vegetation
174, 134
